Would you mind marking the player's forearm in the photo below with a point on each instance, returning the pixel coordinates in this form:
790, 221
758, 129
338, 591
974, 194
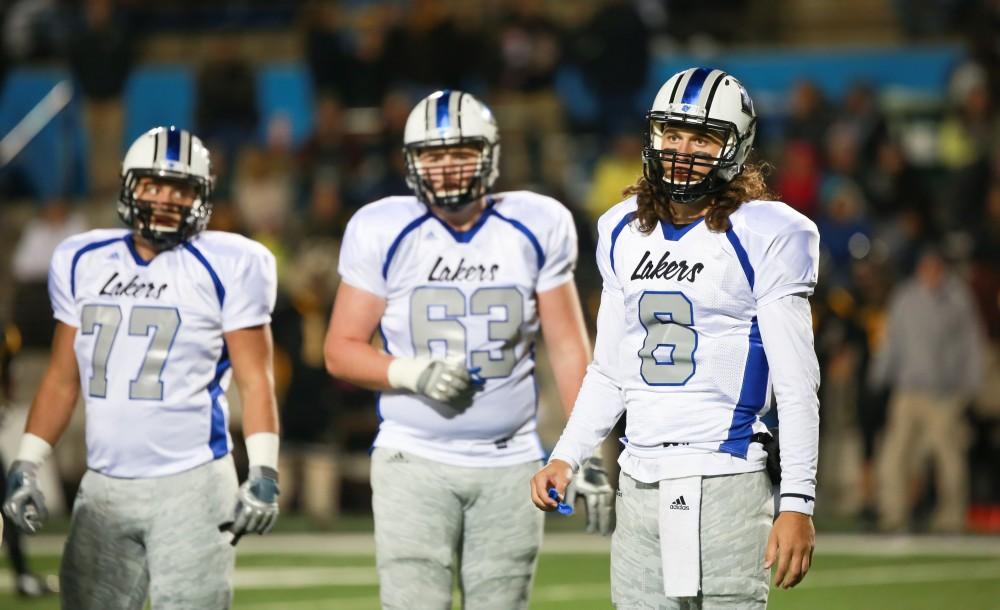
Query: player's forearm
52, 408
786, 331
260, 410
597, 408
565, 339
359, 363
569, 368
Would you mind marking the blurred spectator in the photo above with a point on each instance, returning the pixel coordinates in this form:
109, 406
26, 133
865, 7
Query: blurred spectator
426, 49
528, 110
843, 160
264, 187
922, 19
984, 35
808, 115
798, 180
900, 206
613, 49
226, 111
932, 361
101, 53
861, 117
893, 186
325, 213
33, 29
845, 235
618, 167
4, 62
54, 222
967, 138
326, 48
842, 350
871, 291
325, 150
25, 583
309, 470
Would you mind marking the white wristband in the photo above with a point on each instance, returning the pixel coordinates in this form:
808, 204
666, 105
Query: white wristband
34, 449
404, 373
262, 449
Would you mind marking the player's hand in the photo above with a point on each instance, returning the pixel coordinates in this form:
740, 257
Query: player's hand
256, 504
599, 498
25, 503
557, 474
790, 546
445, 381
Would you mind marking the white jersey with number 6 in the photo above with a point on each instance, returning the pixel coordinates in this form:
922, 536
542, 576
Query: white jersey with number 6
678, 341
468, 295
153, 362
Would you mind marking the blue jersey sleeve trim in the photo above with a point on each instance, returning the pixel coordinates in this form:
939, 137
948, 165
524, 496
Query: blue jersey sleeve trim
753, 393
523, 229
399, 238
617, 231
220, 290
217, 440
81, 252
741, 254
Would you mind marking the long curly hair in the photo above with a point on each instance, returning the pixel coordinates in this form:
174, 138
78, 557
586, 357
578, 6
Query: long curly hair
749, 185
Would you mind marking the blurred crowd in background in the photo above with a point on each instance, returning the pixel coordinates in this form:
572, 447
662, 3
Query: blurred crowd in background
906, 197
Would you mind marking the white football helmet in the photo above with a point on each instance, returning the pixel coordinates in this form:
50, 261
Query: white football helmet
705, 99
167, 153
448, 119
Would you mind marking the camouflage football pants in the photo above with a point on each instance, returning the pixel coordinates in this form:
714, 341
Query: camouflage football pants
736, 515
133, 537
433, 520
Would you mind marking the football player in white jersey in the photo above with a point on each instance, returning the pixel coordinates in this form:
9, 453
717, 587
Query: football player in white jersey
457, 281
704, 312
152, 321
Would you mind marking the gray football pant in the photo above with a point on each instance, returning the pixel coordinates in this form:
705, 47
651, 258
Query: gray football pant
432, 519
159, 536
736, 515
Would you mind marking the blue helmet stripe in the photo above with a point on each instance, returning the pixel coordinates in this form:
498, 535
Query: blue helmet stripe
443, 118
693, 88
173, 145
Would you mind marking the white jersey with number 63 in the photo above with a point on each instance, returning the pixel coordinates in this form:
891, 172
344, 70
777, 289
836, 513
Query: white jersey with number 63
153, 363
466, 295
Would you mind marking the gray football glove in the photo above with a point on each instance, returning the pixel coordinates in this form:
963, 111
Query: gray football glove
450, 383
591, 482
256, 504
25, 503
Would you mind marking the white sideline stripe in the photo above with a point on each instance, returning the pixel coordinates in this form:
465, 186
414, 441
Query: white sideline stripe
561, 543
919, 573
291, 577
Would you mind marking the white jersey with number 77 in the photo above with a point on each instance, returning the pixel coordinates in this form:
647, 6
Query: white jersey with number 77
149, 343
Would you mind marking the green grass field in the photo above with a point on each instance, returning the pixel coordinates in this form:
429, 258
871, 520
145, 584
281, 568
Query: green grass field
337, 572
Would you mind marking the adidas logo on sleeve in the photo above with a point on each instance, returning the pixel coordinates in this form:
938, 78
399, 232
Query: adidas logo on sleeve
679, 504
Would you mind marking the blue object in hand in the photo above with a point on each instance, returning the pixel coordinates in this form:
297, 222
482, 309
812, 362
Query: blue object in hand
563, 508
